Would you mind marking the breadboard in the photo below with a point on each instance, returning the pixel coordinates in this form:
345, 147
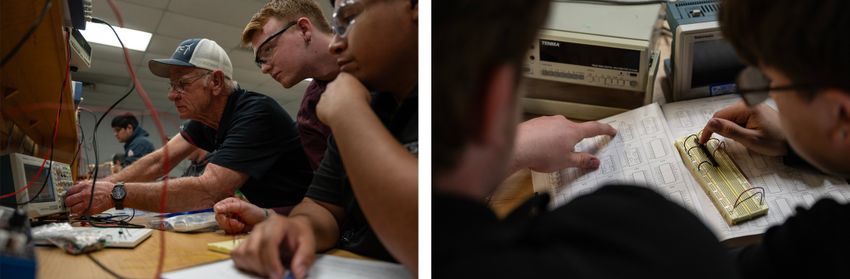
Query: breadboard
722, 180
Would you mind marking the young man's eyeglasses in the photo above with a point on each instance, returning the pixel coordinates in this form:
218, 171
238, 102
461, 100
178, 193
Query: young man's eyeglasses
344, 15
754, 86
265, 50
180, 84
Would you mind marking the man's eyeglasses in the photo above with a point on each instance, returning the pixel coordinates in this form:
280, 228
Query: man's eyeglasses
180, 84
265, 50
754, 86
344, 15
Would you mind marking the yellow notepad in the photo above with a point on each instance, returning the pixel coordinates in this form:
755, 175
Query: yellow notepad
722, 180
224, 246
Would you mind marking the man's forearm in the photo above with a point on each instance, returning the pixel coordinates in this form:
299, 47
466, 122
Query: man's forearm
147, 168
182, 194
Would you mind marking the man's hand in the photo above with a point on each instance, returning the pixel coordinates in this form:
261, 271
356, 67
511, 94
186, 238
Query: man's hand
237, 216
278, 239
341, 94
547, 143
757, 128
77, 199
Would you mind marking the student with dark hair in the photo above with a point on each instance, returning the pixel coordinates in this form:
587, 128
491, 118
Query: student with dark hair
135, 139
798, 53
618, 231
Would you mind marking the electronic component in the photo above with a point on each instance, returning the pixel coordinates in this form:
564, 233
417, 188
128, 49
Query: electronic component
586, 65
17, 170
722, 180
702, 63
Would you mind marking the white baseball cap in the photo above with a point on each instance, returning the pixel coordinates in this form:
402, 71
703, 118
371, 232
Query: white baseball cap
198, 53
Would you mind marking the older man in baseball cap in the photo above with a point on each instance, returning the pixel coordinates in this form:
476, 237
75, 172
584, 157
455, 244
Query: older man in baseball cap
256, 144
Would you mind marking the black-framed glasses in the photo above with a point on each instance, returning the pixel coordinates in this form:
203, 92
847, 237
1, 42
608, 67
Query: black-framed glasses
180, 84
344, 15
754, 86
266, 50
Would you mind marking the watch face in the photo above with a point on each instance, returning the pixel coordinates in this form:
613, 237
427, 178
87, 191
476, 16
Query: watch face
118, 193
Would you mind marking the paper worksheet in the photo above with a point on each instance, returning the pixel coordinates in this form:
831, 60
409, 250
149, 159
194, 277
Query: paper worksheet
325, 266
785, 187
643, 153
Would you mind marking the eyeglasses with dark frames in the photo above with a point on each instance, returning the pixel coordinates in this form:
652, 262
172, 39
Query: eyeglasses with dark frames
754, 86
344, 16
266, 50
180, 84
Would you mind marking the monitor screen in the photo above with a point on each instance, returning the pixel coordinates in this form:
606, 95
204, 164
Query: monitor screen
715, 62
47, 194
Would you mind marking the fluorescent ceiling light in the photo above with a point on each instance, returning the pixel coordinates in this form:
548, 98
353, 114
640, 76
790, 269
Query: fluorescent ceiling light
101, 34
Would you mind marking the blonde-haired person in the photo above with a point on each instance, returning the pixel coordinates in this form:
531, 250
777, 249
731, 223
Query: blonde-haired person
290, 39
363, 197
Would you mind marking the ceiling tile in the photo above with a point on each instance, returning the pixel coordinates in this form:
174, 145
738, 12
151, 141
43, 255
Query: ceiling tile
114, 54
241, 58
185, 27
230, 12
159, 4
164, 45
135, 16
250, 78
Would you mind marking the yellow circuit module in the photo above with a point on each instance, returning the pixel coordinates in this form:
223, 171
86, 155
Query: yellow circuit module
721, 179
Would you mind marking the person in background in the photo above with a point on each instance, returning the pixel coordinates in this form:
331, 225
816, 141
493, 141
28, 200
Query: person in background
117, 158
135, 139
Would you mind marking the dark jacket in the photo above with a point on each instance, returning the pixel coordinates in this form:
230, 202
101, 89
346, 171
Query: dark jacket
137, 146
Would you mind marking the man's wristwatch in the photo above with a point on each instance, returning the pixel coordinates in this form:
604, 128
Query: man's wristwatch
118, 195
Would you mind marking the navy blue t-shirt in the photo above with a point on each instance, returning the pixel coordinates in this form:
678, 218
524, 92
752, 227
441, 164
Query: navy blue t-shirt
257, 137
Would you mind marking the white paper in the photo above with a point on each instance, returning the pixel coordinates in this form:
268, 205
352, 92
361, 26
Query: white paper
643, 153
325, 266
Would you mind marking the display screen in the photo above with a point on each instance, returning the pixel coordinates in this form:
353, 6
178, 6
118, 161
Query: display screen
715, 62
590, 56
47, 194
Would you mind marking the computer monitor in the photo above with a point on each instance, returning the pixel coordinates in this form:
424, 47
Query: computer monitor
17, 170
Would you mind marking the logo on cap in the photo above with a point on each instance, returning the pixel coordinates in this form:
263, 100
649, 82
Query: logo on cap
184, 48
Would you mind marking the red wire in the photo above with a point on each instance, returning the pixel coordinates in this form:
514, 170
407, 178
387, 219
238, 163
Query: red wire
55, 126
166, 162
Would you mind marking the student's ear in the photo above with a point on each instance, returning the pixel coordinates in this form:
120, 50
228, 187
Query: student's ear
305, 26
499, 112
840, 111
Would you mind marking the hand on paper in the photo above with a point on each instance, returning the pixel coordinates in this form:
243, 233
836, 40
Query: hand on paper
547, 143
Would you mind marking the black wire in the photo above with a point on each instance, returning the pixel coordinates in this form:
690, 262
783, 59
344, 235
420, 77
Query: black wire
104, 267
94, 145
615, 2
96, 125
28, 34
